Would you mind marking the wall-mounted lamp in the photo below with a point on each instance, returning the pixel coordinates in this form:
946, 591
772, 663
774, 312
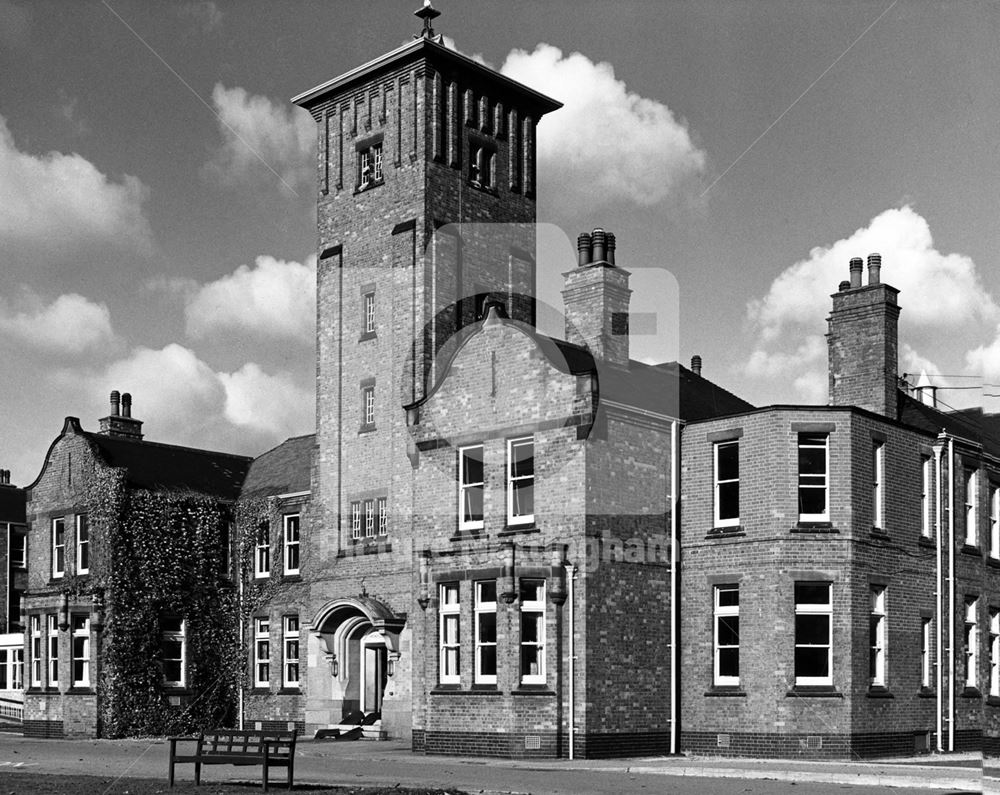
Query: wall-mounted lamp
64, 612
557, 575
508, 588
424, 563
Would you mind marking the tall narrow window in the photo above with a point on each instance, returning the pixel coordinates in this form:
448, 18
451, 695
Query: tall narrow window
369, 518
18, 548
971, 508
448, 633
486, 632
727, 636
262, 551
878, 485
377, 163
926, 472
290, 651
521, 481
35, 650
53, 652
364, 169
355, 520
368, 407
81, 650
383, 516
533, 632
291, 545
17, 670
368, 308
470, 487
82, 544
877, 637
813, 627
173, 650
262, 652
995, 521
925, 653
994, 652
814, 502
727, 484
971, 641
58, 547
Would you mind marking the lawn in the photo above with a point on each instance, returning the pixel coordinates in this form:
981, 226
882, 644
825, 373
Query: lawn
48, 784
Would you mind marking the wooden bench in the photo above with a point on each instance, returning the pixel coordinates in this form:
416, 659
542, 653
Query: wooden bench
230, 747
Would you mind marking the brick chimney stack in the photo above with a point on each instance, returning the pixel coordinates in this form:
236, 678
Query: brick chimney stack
120, 421
862, 341
596, 297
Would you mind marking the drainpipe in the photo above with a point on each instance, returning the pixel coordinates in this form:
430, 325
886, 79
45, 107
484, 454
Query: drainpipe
570, 578
951, 594
239, 618
674, 595
938, 585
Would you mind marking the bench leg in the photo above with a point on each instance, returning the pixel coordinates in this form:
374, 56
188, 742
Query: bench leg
171, 772
197, 774
265, 775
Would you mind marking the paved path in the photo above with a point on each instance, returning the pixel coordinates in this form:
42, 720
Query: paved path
391, 762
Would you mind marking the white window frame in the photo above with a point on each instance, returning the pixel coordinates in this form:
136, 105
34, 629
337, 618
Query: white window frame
484, 607
972, 507
512, 480
878, 634
364, 169
533, 609
382, 511
368, 405
972, 641
369, 518
820, 609
994, 652
926, 670
82, 544
17, 669
815, 481
262, 551
180, 636
994, 521
58, 547
450, 648
291, 529
291, 651
52, 649
926, 474
368, 308
732, 521
878, 485
80, 649
356, 520
35, 650
464, 488
21, 561
723, 613
262, 651
377, 174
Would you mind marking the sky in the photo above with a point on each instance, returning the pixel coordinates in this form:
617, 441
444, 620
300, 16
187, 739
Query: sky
157, 195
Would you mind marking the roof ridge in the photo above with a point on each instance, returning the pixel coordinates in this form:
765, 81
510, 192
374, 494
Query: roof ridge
99, 437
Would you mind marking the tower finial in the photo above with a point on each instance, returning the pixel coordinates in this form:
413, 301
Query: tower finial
427, 12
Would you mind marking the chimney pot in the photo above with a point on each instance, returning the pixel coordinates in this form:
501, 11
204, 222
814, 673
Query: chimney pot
874, 268
583, 249
609, 240
696, 364
126, 405
598, 240
114, 402
844, 285
857, 265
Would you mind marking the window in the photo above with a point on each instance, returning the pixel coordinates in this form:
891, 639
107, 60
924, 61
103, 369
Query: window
81, 650
878, 484
925, 653
173, 650
877, 637
53, 651
971, 512
369, 518
368, 311
82, 544
813, 648
482, 164
814, 504
470, 487
926, 472
370, 166
58, 547
35, 650
368, 407
449, 633
262, 551
726, 667
17, 669
727, 484
355, 520
971, 642
521, 481
261, 652
486, 632
994, 521
18, 549
532, 632
383, 516
290, 650
291, 522
994, 652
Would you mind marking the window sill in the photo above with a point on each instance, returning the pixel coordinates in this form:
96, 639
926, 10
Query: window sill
879, 691
993, 701
925, 541
483, 188
515, 529
813, 691
259, 690
735, 531
370, 186
367, 335
968, 549
290, 691
361, 547
364, 429
970, 692
723, 691
175, 690
81, 690
296, 577
926, 692
533, 690
879, 532
814, 527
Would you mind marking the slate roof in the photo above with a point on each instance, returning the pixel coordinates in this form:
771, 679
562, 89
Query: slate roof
165, 467
971, 424
286, 469
12, 505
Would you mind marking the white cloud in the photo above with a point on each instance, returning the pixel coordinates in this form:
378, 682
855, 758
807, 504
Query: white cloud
205, 14
273, 298
274, 403
942, 297
985, 360
262, 140
58, 201
69, 324
606, 144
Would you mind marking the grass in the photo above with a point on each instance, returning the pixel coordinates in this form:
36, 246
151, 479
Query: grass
50, 784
